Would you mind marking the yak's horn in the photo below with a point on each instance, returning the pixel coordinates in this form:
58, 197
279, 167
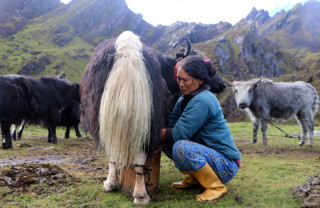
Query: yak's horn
62, 75
228, 82
187, 52
257, 82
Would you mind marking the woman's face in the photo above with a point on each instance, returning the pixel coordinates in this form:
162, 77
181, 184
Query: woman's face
187, 83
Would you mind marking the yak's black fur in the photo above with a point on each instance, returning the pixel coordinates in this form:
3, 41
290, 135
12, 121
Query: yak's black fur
37, 100
161, 70
93, 82
70, 117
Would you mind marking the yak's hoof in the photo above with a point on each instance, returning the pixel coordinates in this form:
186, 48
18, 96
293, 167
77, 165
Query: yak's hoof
110, 186
301, 143
254, 141
265, 143
309, 145
7, 145
66, 136
142, 198
54, 141
79, 135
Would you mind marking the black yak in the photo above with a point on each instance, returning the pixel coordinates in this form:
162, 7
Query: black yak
35, 100
70, 117
125, 93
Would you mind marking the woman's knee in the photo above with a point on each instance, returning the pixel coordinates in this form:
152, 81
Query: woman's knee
187, 157
179, 148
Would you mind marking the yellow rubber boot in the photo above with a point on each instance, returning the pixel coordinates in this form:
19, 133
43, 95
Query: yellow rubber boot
186, 182
208, 178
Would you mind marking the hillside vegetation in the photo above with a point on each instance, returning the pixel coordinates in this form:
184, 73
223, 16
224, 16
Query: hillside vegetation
61, 38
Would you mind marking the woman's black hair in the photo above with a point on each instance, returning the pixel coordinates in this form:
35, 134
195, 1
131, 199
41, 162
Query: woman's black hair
198, 68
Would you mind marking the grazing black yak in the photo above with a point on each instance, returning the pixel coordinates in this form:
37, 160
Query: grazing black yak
70, 117
37, 100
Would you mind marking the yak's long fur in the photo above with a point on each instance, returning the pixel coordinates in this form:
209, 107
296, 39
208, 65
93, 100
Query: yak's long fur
125, 109
93, 82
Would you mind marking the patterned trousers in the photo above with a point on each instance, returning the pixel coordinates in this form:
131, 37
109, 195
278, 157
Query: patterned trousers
191, 156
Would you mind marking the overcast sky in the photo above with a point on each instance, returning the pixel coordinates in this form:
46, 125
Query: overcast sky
166, 12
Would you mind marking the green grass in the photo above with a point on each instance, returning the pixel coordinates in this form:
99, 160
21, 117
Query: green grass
265, 179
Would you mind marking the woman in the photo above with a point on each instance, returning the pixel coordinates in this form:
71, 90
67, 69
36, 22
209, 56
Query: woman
198, 139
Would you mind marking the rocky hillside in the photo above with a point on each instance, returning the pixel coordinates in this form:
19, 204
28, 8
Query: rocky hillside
54, 37
298, 28
63, 38
41, 37
15, 14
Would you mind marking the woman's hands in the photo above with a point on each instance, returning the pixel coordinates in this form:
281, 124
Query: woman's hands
163, 135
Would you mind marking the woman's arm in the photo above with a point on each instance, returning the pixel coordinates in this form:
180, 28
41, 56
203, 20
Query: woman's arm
163, 135
191, 120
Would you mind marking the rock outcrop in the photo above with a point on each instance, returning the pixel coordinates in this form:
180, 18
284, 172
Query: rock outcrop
15, 14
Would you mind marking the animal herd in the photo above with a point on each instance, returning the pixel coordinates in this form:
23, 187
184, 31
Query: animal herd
124, 99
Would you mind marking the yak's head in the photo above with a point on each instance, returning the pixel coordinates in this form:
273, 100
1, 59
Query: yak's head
244, 91
73, 91
169, 65
216, 83
70, 91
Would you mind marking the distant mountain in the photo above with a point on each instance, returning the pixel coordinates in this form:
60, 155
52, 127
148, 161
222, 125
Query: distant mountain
15, 14
62, 38
96, 20
46, 37
298, 28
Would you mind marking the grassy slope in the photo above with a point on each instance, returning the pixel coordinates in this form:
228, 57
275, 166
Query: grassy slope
37, 37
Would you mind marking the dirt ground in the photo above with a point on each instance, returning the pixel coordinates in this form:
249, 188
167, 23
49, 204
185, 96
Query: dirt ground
43, 162
309, 192
79, 158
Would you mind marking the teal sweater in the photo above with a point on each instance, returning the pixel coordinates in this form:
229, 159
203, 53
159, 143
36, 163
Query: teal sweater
202, 119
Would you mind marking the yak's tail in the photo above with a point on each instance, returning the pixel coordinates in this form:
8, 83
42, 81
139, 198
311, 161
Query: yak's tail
315, 105
315, 102
125, 109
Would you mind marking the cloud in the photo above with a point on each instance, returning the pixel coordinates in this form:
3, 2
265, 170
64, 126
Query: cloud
166, 12
65, 1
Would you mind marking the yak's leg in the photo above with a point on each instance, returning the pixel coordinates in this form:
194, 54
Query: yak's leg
310, 129
67, 133
304, 128
310, 126
21, 129
52, 137
76, 128
6, 136
140, 194
264, 127
49, 135
53, 120
255, 125
13, 133
112, 181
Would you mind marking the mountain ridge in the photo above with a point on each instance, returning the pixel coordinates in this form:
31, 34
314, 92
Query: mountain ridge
61, 38
250, 48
